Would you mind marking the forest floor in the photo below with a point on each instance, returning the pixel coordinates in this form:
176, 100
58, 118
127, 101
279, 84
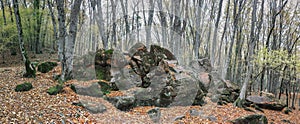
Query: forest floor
36, 105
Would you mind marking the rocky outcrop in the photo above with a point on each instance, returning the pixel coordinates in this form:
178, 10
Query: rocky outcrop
155, 78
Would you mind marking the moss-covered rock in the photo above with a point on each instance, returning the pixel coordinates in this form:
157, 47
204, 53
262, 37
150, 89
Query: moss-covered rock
23, 87
55, 90
46, 66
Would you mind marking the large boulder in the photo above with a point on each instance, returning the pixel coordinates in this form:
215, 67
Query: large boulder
93, 90
251, 119
266, 102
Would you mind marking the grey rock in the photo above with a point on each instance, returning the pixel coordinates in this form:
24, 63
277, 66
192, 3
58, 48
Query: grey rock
94, 107
93, 90
122, 102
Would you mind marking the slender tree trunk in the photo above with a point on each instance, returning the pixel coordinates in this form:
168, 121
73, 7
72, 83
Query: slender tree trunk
235, 26
37, 26
197, 38
30, 70
149, 23
114, 25
53, 24
69, 46
214, 42
127, 27
102, 29
224, 63
251, 45
163, 23
10, 11
3, 12
62, 35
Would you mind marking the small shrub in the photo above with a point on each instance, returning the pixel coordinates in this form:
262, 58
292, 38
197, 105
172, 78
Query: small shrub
55, 90
23, 87
46, 66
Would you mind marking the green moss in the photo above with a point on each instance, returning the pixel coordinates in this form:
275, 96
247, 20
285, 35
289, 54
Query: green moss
110, 51
55, 90
105, 88
100, 74
23, 87
46, 66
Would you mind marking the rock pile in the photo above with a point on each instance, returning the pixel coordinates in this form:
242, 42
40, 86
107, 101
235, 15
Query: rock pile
155, 78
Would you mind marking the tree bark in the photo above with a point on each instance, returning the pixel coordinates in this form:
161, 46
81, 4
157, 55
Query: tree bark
62, 35
30, 70
69, 46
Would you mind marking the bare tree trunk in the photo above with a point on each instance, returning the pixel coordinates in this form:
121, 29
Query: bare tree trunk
114, 25
53, 24
127, 28
224, 64
10, 11
251, 45
149, 23
3, 12
214, 42
102, 29
30, 70
197, 41
235, 26
69, 46
62, 35
163, 23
